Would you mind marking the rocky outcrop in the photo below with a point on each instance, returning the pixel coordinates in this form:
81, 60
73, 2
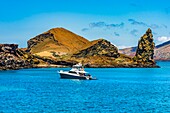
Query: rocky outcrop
145, 50
10, 59
161, 51
8, 48
99, 47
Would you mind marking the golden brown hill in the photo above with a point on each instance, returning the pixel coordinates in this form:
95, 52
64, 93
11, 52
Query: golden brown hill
58, 40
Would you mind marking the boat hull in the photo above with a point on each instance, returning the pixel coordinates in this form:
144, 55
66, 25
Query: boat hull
66, 76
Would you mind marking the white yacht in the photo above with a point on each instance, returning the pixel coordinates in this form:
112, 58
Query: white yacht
77, 72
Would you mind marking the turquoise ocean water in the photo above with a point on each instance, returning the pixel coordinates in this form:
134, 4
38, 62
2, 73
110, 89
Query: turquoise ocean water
133, 90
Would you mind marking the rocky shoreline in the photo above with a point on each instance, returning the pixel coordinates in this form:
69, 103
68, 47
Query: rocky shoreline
91, 66
95, 54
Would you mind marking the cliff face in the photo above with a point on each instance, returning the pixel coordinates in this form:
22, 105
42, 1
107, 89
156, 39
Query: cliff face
145, 49
99, 47
8, 48
10, 57
38, 39
58, 40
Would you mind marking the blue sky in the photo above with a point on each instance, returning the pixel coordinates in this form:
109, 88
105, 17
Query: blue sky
122, 22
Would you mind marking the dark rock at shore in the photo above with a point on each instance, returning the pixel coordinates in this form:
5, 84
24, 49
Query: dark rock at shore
8, 48
13, 58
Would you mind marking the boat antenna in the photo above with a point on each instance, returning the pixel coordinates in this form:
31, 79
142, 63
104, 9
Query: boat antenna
82, 62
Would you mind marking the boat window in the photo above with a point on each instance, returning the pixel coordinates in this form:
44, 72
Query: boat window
72, 72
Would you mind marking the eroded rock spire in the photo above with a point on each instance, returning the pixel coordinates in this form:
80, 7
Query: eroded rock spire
145, 49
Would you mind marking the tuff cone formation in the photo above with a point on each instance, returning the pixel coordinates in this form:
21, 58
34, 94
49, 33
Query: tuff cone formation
57, 41
145, 49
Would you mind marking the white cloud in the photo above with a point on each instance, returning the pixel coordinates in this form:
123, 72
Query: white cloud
163, 39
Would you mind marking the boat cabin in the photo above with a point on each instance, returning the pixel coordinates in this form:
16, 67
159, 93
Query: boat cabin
78, 69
